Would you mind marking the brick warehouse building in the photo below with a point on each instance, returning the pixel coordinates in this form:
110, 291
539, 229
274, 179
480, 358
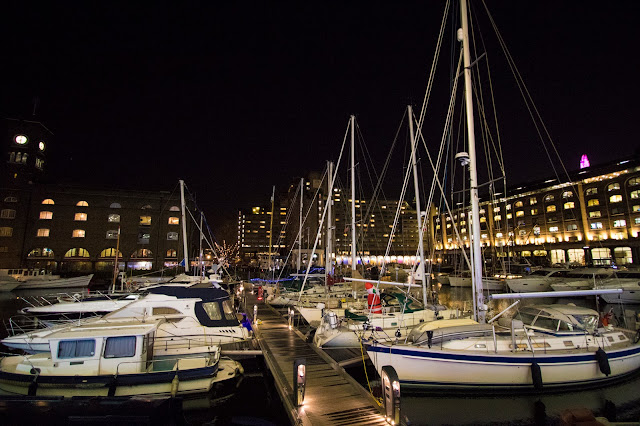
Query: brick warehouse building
74, 229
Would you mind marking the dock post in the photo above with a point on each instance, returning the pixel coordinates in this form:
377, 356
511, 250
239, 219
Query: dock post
391, 394
299, 381
255, 314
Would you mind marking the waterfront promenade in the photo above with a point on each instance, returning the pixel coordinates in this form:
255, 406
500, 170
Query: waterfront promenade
332, 397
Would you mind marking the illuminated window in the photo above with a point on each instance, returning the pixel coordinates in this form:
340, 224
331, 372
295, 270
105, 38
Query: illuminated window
534, 212
110, 252
172, 253
142, 253
634, 181
569, 205
518, 204
636, 220
613, 187
567, 194
20, 139
593, 202
115, 206
635, 194
483, 219
615, 198
6, 231
496, 217
82, 204
520, 213
7, 214
113, 218
43, 232
10, 200
496, 209
147, 207
532, 201
174, 220
591, 191
572, 227
39, 163
551, 208
596, 225
44, 252
77, 252
620, 223
553, 229
78, 233
549, 198
595, 213
509, 215
172, 236
48, 201
174, 209
145, 220
46, 215
80, 216
144, 237
112, 234
636, 208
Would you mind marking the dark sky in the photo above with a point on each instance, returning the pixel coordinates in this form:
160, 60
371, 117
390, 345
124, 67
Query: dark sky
235, 97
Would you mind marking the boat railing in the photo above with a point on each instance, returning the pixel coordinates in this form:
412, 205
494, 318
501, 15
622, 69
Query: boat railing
165, 364
21, 324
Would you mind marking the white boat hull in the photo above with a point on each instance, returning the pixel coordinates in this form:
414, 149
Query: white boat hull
432, 368
487, 283
82, 281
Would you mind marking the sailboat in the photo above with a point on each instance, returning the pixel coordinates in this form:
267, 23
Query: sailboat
557, 346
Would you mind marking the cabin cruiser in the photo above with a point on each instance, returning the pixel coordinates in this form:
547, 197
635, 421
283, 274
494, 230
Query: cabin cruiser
628, 281
195, 319
538, 280
29, 279
114, 358
399, 314
583, 279
542, 346
464, 280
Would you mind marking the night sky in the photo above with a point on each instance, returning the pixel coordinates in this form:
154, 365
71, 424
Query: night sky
234, 97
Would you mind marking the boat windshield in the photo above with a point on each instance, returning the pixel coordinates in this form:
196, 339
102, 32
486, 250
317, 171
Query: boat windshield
586, 322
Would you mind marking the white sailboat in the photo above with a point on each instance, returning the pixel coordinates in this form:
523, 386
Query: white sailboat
543, 346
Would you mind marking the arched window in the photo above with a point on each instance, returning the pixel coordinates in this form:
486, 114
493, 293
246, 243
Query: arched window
82, 204
142, 254
591, 191
77, 252
10, 200
48, 201
110, 252
551, 208
593, 202
549, 198
174, 209
172, 236
7, 214
41, 252
613, 187
172, 253
567, 194
115, 206
634, 181
82, 217
146, 207
615, 198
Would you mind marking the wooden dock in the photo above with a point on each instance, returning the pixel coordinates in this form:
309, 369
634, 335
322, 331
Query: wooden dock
332, 397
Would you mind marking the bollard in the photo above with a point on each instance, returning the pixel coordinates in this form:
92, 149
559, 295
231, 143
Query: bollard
299, 381
255, 314
291, 314
391, 394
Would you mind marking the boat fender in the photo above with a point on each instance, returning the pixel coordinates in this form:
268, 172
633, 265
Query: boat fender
603, 362
33, 387
637, 338
112, 387
174, 385
536, 376
429, 338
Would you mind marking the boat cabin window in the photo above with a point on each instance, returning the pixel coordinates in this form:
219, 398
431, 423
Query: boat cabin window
76, 348
228, 310
546, 323
525, 317
163, 310
120, 347
586, 322
212, 309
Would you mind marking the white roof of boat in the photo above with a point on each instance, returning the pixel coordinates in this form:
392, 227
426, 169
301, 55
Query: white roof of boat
106, 329
564, 309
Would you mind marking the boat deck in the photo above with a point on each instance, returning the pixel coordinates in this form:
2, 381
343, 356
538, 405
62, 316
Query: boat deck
332, 397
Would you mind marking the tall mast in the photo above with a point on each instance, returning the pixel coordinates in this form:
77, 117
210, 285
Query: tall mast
473, 175
328, 264
353, 196
200, 252
414, 163
273, 196
300, 229
184, 228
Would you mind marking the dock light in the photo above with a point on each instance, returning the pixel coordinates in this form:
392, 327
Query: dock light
291, 314
255, 314
391, 394
299, 381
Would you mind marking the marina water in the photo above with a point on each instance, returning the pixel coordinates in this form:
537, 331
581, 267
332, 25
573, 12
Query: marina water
256, 402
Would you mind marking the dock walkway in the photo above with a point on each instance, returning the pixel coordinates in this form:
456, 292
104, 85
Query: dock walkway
332, 397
